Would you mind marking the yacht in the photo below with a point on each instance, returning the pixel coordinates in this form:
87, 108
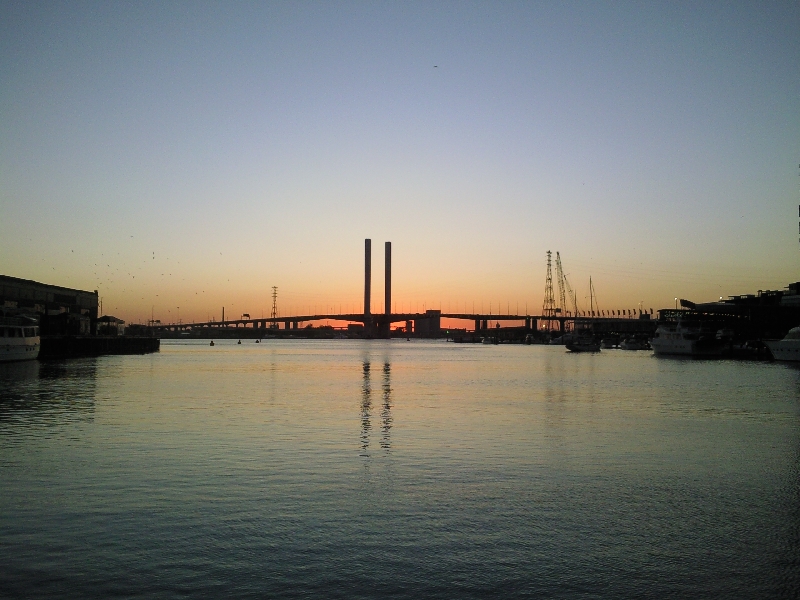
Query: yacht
19, 339
609, 342
633, 343
687, 338
788, 348
583, 343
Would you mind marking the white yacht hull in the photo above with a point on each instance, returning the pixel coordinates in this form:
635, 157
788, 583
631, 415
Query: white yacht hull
685, 348
19, 339
788, 350
19, 349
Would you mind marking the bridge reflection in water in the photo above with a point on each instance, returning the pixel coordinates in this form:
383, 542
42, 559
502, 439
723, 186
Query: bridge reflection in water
366, 407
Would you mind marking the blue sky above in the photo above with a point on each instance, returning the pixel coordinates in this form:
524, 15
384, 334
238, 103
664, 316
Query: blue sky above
195, 154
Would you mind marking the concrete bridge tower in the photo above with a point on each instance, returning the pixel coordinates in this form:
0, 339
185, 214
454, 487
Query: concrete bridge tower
388, 291
368, 325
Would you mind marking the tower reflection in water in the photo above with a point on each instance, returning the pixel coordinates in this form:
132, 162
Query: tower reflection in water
366, 407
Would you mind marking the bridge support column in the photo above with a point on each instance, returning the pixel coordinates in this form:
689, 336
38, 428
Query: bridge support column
368, 321
287, 324
387, 325
477, 325
409, 329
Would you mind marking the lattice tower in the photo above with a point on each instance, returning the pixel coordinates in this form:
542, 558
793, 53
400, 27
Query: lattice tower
549, 306
562, 300
274, 314
565, 290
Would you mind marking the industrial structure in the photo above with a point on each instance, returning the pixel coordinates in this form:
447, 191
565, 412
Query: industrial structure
60, 310
68, 320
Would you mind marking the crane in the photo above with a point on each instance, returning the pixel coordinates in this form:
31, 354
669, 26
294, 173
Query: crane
564, 289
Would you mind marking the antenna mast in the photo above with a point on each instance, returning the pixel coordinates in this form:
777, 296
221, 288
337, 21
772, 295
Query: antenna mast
274, 314
593, 305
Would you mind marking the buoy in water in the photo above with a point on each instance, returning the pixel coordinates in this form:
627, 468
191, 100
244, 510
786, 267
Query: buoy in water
258, 341
239, 342
212, 343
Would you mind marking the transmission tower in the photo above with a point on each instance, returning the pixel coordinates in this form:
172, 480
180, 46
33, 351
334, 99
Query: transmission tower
274, 314
549, 306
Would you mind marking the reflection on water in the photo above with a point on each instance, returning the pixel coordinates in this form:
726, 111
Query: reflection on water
36, 394
386, 412
366, 406
512, 471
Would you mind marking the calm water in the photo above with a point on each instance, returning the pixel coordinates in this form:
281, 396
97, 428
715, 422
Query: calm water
398, 469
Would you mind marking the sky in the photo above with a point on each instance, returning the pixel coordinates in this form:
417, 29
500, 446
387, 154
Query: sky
184, 156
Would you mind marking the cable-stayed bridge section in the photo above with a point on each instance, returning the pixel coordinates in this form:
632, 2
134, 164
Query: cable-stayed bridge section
553, 320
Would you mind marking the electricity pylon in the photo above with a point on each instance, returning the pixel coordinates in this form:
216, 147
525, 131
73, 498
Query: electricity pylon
549, 309
274, 314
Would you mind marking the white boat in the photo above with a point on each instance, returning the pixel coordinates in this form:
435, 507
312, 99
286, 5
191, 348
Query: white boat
19, 339
788, 348
686, 338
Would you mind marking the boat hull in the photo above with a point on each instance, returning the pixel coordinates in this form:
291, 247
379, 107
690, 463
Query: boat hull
785, 350
28, 350
583, 346
685, 348
634, 345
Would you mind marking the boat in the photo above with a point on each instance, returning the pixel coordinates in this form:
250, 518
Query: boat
584, 341
788, 348
634, 344
609, 342
687, 337
583, 344
19, 339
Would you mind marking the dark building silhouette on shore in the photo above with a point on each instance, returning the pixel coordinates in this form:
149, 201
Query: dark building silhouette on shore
61, 310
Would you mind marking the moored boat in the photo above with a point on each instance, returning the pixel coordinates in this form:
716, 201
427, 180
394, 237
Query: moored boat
583, 344
788, 348
687, 338
609, 342
19, 339
634, 344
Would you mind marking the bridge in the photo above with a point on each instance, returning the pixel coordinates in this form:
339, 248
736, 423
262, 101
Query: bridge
380, 324
426, 323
